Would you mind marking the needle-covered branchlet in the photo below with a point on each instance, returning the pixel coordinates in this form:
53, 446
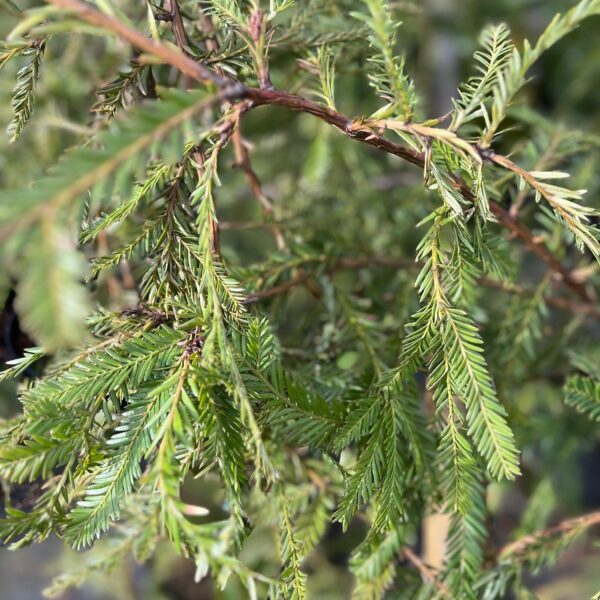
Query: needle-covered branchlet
266, 96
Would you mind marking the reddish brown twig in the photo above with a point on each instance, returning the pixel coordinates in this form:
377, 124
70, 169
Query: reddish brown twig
178, 26
360, 262
542, 251
587, 309
168, 54
282, 288
564, 527
428, 574
242, 160
232, 89
332, 117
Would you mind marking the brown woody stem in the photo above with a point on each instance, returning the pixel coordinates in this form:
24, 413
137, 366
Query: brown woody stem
564, 527
360, 262
232, 89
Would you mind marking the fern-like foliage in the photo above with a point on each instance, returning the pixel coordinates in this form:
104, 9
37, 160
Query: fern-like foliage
293, 577
388, 78
18, 366
512, 78
117, 153
535, 551
115, 95
492, 59
250, 383
116, 475
458, 363
389, 426
374, 564
471, 382
23, 96
582, 392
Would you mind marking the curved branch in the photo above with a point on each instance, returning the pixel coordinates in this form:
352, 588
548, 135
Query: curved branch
521, 545
232, 89
168, 54
588, 309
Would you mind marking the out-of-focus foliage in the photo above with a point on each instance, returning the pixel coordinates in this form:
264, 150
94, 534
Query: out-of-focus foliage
245, 300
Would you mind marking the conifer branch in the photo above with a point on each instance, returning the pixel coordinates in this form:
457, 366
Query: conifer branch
521, 546
167, 54
371, 398
243, 161
23, 97
361, 262
258, 97
428, 574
